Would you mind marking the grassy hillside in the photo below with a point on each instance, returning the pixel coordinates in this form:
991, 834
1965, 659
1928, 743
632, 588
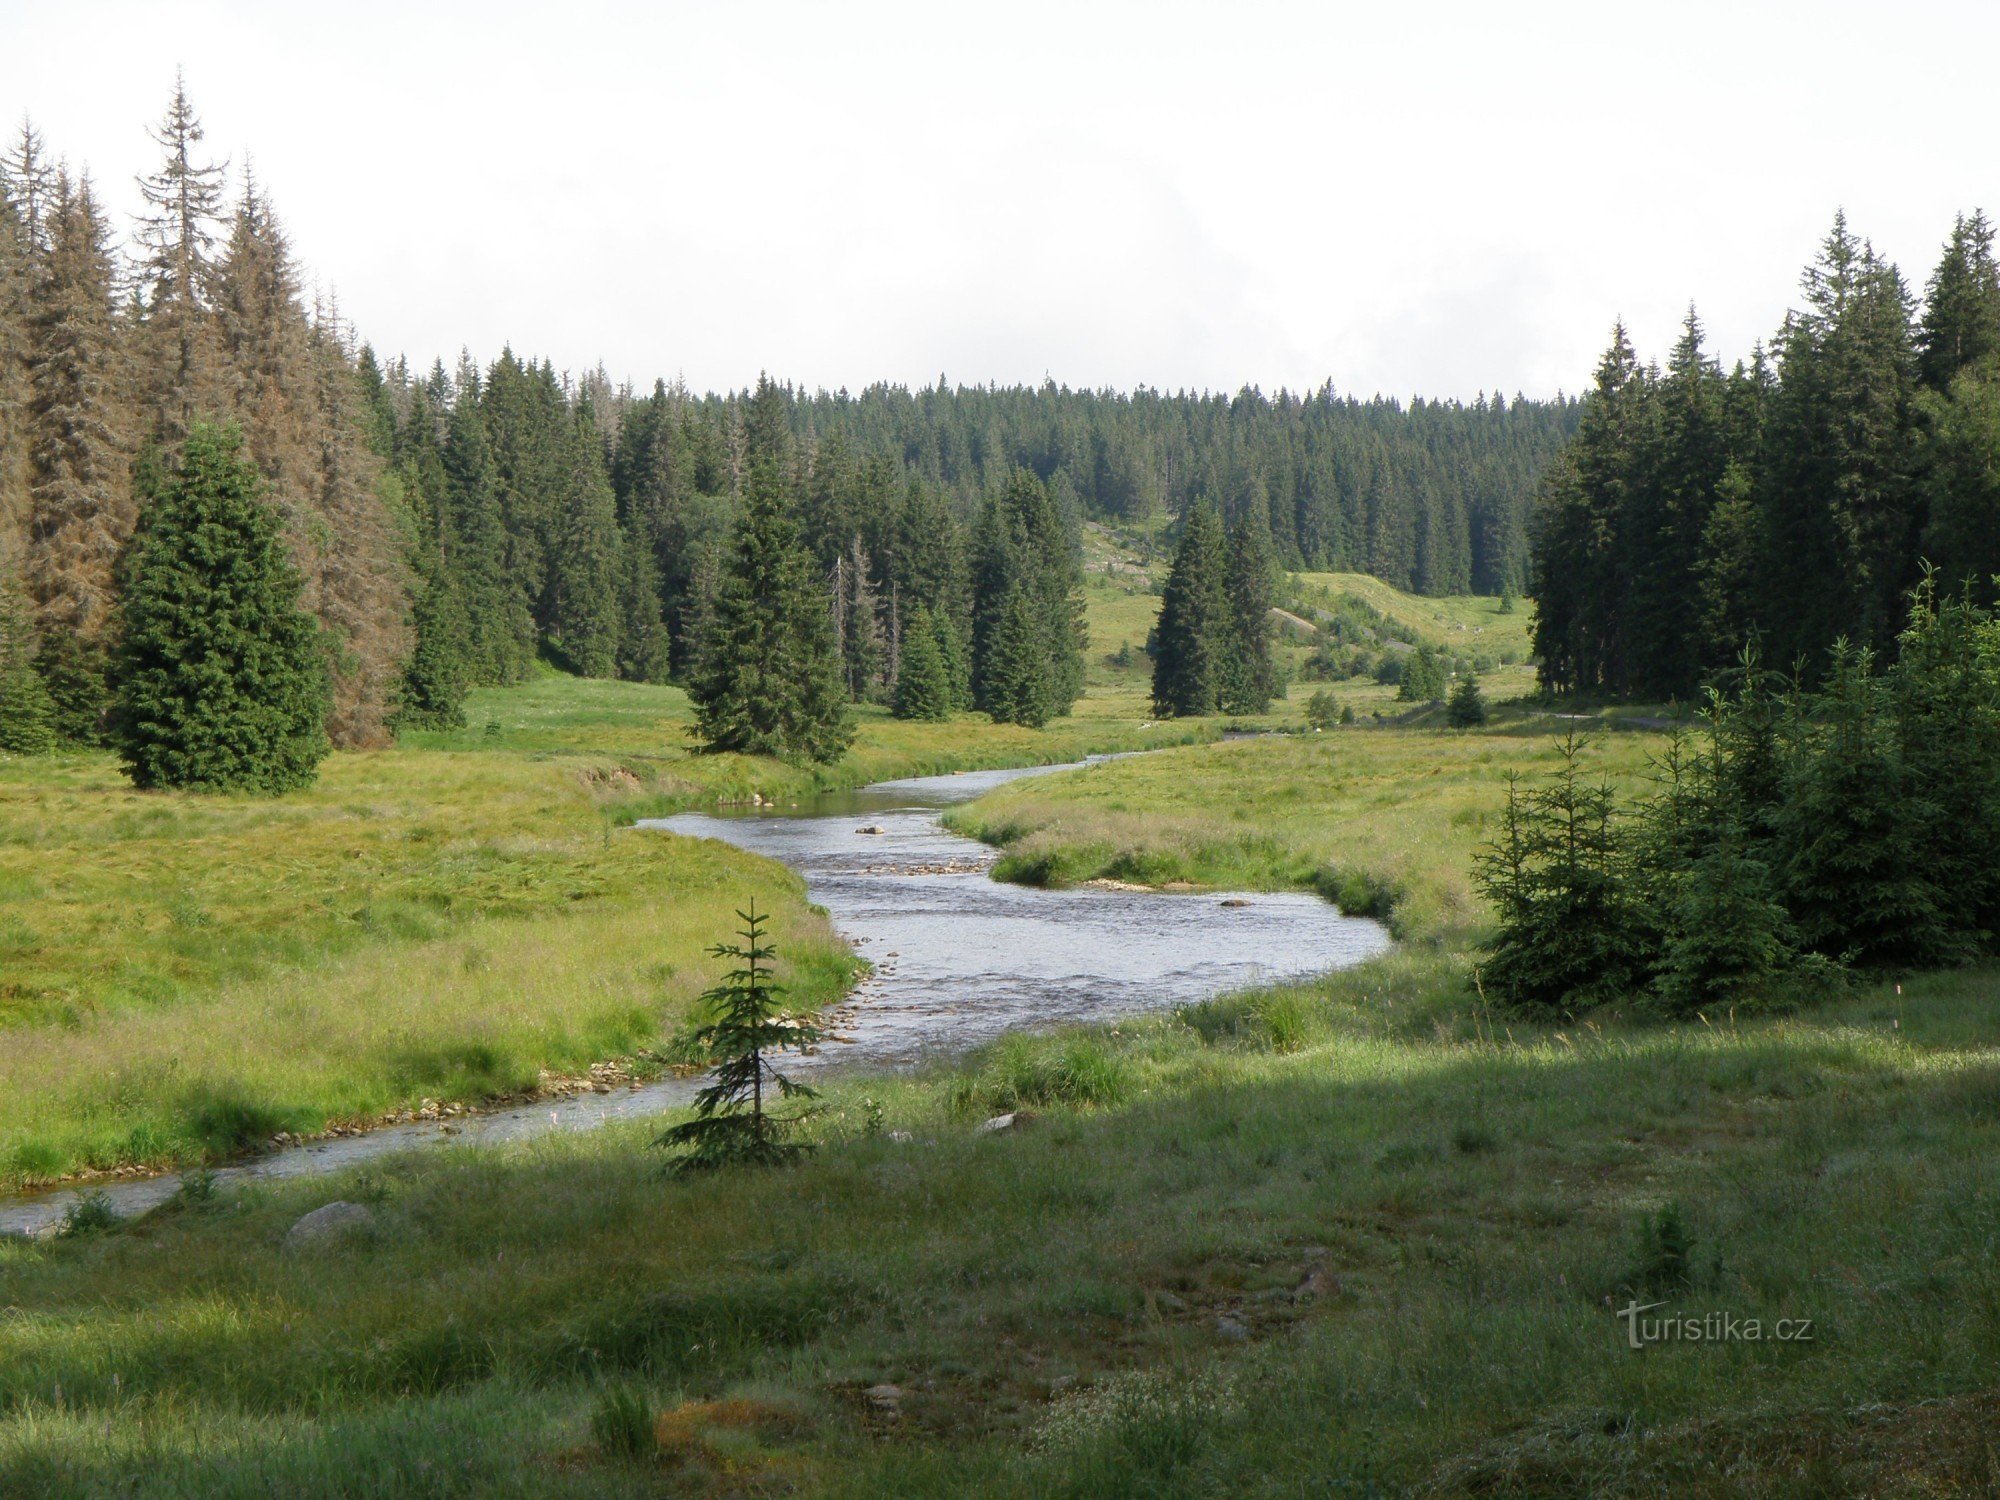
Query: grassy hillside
1357, 1236
1468, 625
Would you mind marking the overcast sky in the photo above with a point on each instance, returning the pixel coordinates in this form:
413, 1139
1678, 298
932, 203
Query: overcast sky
1418, 199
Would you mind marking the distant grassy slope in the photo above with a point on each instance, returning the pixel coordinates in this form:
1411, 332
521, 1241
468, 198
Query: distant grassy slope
1469, 624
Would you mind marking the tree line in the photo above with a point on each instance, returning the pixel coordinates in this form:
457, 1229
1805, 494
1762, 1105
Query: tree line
1796, 498
452, 527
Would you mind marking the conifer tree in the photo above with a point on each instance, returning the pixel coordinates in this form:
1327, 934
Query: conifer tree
1960, 460
500, 629
923, 686
435, 680
583, 590
1020, 678
220, 677
183, 374
731, 1125
1423, 679
1840, 499
1567, 934
1852, 869
1961, 318
1467, 708
27, 714
296, 404
79, 463
643, 653
1579, 526
769, 679
1250, 678
1197, 624
19, 267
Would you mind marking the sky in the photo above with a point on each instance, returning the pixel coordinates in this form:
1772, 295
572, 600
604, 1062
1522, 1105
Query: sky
1430, 199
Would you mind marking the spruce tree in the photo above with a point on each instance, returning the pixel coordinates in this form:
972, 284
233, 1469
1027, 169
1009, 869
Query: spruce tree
500, 629
923, 686
1197, 625
1568, 936
731, 1125
79, 462
581, 613
1852, 868
1250, 677
1423, 679
221, 679
1961, 319
183, 374
769, 680
1020, 681
27, 714
643, 653
1467, 709
435, 680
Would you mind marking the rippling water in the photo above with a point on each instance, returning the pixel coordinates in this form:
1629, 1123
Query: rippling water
959, 959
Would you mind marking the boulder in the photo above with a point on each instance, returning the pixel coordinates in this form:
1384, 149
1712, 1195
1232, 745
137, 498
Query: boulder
335, 1221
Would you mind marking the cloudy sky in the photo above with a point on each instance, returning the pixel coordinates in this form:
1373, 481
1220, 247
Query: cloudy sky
1417, 199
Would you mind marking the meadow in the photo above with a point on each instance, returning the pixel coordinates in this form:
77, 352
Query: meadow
1355, 1236
187, 976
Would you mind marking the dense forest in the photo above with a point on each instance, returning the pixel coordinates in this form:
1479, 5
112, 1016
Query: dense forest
1796, 499
450, 527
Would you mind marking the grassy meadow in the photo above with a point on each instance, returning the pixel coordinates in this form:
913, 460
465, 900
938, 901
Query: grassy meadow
182, 977
1354, 1236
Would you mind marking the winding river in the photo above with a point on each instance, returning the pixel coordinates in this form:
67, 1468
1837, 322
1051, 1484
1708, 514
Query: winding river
959, 958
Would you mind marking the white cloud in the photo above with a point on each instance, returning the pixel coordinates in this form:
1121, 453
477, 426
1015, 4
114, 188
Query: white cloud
1431, 199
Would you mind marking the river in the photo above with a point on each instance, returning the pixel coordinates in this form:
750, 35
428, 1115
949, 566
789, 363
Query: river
959, 959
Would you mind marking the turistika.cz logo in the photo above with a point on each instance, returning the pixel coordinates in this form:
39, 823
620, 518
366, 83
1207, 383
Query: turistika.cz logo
1708, 1328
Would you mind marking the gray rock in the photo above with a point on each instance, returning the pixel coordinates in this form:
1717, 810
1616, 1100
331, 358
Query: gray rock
1231, 1328
335, 1221
884, 1395
872, 828
997, 1124
1234, 901
901, 1137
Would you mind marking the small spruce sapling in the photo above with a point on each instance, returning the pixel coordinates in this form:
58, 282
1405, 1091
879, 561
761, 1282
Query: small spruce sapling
731, 1124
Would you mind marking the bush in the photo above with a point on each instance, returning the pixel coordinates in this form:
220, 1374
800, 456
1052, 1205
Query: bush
88, 1215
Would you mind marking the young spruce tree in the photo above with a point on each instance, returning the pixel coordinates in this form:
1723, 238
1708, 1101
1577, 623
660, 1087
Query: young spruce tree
220, 676
731, 1125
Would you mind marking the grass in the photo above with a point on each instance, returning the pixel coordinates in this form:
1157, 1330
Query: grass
1378, 1257
182, 977
1382, 821
1469, 624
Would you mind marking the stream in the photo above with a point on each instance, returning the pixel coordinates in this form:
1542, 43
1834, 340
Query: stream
959, 959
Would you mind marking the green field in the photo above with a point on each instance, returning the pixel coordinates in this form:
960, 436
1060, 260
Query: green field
1357, 1236
186, 976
